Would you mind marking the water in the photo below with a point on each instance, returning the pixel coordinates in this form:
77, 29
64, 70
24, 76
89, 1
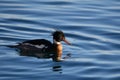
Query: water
92, 26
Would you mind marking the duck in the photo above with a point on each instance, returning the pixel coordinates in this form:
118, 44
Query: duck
37, 46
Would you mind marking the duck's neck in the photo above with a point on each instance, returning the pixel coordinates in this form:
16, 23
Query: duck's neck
56, 42
58, 50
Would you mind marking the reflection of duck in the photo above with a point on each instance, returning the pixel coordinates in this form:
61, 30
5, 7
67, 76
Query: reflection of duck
57, 68
39, 46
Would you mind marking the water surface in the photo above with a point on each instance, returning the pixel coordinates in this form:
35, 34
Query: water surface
92, 26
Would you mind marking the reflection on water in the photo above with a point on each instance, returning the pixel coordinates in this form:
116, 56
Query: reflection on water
57, 68
92, 26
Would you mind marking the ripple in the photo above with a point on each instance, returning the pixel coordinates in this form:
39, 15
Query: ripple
56, 3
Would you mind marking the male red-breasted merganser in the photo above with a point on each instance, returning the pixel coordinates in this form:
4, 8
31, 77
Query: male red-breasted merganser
45, 46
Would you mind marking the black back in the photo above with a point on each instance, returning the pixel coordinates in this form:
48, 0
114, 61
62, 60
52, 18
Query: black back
39, 42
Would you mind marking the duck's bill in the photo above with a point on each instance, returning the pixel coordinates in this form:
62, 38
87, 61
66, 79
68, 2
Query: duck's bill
67, 42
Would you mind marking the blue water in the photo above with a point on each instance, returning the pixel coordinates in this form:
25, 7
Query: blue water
92, 26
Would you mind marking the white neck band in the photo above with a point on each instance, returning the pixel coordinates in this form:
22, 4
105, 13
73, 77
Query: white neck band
56, 42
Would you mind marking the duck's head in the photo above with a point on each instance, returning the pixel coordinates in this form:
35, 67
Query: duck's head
59, 36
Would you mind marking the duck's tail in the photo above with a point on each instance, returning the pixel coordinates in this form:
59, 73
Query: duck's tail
12, 46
